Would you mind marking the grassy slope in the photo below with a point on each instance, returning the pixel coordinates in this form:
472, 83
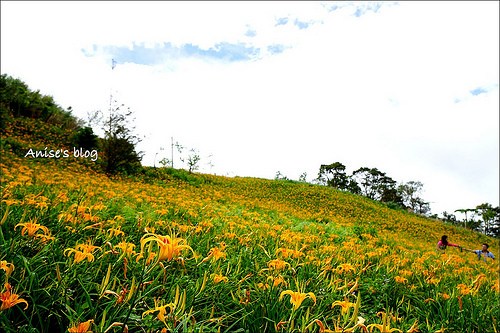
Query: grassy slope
257, 219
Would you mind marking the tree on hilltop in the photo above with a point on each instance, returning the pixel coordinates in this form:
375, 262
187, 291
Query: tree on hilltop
334, 175
119, 142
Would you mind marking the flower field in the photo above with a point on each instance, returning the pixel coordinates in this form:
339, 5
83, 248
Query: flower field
178, 252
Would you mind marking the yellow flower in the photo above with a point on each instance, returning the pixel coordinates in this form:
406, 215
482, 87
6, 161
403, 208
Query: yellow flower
496, 286
385, 327
10, 202
400, 279
464, 290
82, 252
445, 296
345, 305
277, 264
7, 267
263, 286
345, 268
170, 246
10, 299
113, 232
434, 281
31, 228
127, 248
477, 283
297, 297
286, 253
413, 328
220, 278
277, 280
81, 327
323, 329
162, 310
215, 253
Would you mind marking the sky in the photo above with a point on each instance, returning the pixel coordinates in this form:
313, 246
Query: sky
257, 88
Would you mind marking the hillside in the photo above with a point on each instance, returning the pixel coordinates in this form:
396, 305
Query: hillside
170, 251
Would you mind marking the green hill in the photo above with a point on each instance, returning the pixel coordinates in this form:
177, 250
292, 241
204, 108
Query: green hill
165, 250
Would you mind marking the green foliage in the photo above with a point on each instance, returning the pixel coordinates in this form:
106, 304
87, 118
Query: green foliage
185, 175
85, 138
334, 175
17, 100
118, 144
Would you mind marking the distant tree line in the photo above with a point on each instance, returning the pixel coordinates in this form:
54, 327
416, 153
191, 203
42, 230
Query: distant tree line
483, 218
376, 185
117, 153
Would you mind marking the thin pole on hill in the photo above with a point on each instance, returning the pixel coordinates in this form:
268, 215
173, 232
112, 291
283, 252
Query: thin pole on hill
172, 146
113, 65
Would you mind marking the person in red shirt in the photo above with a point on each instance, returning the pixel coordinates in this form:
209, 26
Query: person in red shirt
443, 243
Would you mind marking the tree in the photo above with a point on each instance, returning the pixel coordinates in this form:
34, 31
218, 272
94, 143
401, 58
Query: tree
372, 182
85, 138
495, 224
447, 217
192, 160
465, 211
422, 207
303, 177
280, 176
119, 142
14, 95
333, 175
489, 215
388, 192
410, 194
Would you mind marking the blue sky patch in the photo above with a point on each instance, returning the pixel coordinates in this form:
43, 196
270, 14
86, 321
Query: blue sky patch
139, 54
366, 7
300, 24
224, 51
276, 48
281, 21
251, 33
478, 91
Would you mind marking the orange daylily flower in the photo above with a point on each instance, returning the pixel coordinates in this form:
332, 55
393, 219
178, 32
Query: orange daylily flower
170, 246
162, 310
277, 280
31, 228
345, 268
113, 232
127, 248
464, 290
400, 279
413, 328
215, 253
297, 297
385, 327
82, 252
277, 264
10, 299
220, 278
81, 327
345, 305
7, 267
